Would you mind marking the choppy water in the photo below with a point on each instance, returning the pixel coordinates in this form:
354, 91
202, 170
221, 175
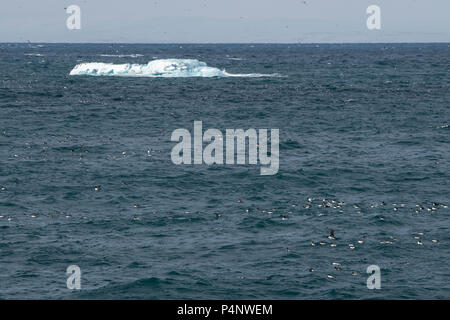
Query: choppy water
87, 177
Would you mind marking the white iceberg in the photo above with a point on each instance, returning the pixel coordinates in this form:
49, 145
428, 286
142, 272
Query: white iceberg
169, 68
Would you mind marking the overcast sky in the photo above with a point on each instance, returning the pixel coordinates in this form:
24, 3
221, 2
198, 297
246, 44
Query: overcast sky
218, 21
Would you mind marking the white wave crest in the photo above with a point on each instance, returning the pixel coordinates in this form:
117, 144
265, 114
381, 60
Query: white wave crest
169, 68
134, 55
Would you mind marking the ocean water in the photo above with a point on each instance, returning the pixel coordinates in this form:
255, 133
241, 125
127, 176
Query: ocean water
87, 177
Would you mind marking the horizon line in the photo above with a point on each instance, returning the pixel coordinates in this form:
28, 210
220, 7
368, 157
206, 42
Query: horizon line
230, 43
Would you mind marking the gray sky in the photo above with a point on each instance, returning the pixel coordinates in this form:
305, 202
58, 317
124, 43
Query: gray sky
218, 21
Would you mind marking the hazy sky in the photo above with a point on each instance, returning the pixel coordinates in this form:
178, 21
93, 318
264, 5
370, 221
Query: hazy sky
185, 21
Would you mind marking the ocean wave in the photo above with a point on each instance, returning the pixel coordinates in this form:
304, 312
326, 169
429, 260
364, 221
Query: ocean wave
168, 68
136, 55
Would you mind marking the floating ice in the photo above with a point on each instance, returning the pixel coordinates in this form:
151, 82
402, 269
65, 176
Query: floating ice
170, 68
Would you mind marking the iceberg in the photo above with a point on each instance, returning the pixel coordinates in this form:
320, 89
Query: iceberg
168, 68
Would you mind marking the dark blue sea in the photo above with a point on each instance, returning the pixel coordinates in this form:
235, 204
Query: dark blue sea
87, 179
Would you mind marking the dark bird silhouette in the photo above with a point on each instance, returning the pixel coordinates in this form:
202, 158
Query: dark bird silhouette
331, 236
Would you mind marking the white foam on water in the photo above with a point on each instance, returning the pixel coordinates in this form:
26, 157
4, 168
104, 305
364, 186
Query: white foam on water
136, 55
168, 68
